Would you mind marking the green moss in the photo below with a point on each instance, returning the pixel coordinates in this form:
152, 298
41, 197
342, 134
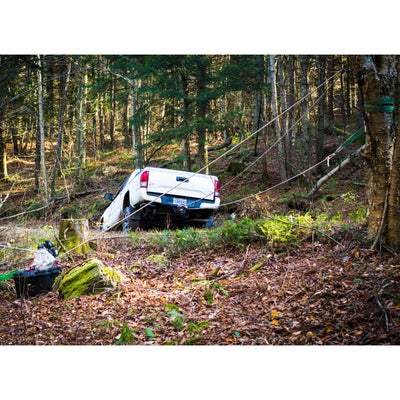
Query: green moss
158, 259
73, 235
92, 278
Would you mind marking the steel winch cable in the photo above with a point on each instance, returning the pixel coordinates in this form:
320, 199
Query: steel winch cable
95, 237
211, 163
275, 143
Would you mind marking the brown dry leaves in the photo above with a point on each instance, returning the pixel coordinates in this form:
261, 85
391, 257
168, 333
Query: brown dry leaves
304, 296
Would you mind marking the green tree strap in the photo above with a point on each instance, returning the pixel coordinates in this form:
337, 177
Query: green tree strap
353, 137
3, 277
384, 104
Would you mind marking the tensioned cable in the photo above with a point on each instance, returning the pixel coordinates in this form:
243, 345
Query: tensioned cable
281, 183
278, 140
274, 144
214, 161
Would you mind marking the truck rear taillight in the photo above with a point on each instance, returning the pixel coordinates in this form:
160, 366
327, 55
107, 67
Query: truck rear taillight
217, 188
144, 179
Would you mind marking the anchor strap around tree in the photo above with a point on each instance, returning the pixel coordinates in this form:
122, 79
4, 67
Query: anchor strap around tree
384, 104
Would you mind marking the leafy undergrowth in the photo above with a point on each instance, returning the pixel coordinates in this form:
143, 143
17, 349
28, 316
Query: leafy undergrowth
317, 293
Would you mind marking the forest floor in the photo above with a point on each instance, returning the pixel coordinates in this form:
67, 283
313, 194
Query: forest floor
318, 291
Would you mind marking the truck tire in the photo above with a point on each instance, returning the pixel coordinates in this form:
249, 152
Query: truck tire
130, 223
210, 222
126, 223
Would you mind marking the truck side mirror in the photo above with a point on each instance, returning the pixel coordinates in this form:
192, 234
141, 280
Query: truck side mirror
109, 196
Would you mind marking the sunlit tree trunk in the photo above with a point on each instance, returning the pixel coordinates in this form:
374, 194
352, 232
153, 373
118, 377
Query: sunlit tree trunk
376, 76
113, 108
80, 155
136, 135
284, 119
3, 153
41, 130
274, 100
305, 129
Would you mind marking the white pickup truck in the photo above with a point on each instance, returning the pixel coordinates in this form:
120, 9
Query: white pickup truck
160, 197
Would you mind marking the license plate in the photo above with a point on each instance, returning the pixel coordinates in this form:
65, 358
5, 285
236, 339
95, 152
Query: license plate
179, 202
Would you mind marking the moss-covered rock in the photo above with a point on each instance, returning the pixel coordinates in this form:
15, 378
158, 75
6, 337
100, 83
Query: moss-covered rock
91, 278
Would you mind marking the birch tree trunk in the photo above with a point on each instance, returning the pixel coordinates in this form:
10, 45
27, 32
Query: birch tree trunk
284, 119
41, 130
376, 77
274, 101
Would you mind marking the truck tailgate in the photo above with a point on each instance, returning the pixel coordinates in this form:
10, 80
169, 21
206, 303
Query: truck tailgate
199, 186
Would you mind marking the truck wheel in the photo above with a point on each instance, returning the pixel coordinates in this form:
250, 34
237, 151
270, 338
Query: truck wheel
210, 222
127, 222
130, 223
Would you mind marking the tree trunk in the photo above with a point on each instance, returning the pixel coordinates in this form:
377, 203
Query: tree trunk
41, 130
3, 152
329, 112
321, 68
61, 113
257, 110
14, 137
73, 235
274, 100
125, 122
342, 98
185, 103
291, 99
80, 155
305, 129
284, 119
136, 135
376, 76
201, 114
113, 107
37, 161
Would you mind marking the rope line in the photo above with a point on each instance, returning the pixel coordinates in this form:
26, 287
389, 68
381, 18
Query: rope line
277, 141
95, 237
221, 156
